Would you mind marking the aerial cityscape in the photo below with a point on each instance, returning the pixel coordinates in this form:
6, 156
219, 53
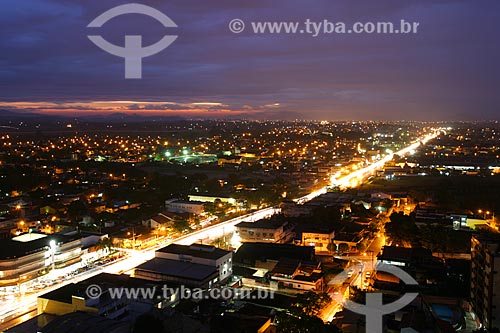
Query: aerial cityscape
329, 167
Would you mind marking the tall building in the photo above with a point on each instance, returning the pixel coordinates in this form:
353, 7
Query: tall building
485, 280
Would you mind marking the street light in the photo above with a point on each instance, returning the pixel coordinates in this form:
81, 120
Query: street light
133, 237
52, 245
484, 213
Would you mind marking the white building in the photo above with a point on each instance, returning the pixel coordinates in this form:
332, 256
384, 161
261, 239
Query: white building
264, 231
209, 198
30, 255
182, 206
158, 221
200, 254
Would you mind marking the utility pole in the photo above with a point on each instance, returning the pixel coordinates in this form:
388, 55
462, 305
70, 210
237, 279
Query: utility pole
133, 237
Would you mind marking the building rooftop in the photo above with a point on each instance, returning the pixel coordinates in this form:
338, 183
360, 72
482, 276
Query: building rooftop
261, 224
492, 242
162, 219
179, 269
32, 325
12, 249
309, 278
195, 250
186, 202
311, 228
81, 322
244, 271
286, 266
210, 195
250, 252
237, 322
66, 293
404, 254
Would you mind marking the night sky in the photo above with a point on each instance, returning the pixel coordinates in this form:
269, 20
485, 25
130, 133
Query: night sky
449, 70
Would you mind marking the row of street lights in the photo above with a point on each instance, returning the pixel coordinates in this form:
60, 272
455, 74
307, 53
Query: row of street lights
485, 214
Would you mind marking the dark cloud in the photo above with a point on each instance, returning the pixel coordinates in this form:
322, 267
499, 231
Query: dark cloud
449, 70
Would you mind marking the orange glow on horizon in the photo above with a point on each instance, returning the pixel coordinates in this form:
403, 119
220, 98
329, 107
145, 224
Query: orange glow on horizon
203, 109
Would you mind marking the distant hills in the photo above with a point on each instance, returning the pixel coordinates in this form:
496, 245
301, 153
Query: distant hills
111, 117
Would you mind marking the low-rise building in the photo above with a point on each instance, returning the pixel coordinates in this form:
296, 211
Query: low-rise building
320, 238
75, 297
211, 198
405, 257
183, 206
347, 240
296, 274
268, 231
195, 265
86, 322
179, 272
158, 221
30, 255
208, 255
290, 208
249, 254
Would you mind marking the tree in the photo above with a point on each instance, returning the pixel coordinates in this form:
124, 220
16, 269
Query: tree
361, 246
387, 204
434, 238
326, 215
332, 247
287, 323
357, 295
402, 229
209, 208
76, 209
104, 243
343, 247
181, 224
310, 303
360, 211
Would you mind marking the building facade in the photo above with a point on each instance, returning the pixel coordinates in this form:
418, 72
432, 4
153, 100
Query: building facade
158, 221
182, 206
30, 255
264, 231
320, 239
485, 280
201, 254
